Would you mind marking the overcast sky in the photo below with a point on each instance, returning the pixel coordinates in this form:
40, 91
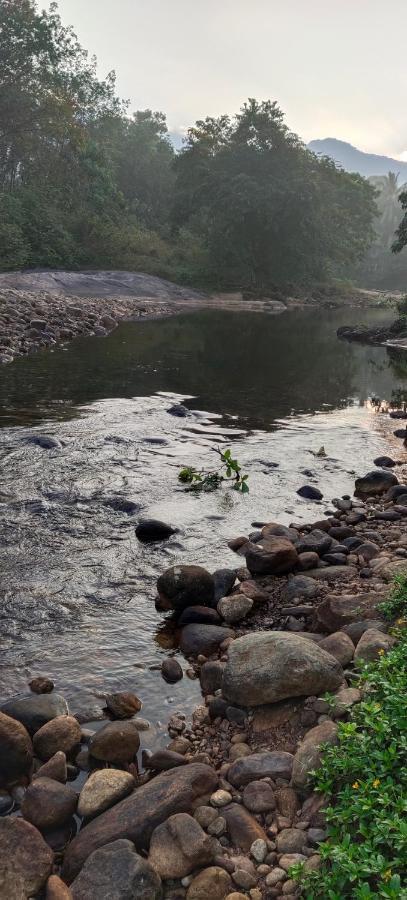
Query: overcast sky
336, 67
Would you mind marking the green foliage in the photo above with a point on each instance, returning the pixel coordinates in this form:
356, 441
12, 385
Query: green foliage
402, 306
210, 481
365, 779
396, 605
401, 233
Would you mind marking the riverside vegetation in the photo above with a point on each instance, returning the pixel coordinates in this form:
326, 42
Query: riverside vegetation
289, 781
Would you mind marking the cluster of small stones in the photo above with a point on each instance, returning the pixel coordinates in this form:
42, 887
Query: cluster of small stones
31, 321
225, 810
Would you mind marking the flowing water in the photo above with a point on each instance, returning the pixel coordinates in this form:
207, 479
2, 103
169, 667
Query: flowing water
77, 587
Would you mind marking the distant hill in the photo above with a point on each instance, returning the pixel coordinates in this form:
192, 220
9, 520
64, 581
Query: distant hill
354, 160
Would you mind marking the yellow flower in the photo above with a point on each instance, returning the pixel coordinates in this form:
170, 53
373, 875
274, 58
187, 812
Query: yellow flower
381, 651
376, 782
355, 785
386, 875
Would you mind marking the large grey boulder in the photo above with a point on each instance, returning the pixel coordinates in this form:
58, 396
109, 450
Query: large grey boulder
117, 872
35, 710
136, 817
269, 666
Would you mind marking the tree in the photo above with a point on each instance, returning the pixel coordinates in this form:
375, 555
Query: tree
401, 233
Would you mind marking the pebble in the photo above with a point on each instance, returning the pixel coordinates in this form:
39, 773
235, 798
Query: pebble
221, 798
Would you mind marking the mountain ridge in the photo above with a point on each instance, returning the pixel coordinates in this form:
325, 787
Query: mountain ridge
354, 160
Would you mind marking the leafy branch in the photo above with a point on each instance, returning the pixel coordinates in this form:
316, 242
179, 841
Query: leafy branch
199, 480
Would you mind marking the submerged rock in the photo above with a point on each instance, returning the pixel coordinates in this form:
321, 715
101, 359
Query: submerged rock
269, 666
154, 530
123, 705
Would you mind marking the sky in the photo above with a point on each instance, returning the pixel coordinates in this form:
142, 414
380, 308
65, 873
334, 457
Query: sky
337, 68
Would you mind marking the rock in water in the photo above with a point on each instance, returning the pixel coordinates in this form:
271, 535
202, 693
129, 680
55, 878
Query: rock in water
269, 666
25, 859
205, 639
117, 871
136, 817
16, 751
277, 556
171, 670
376, 482
123, 705
182, 586
310, 492
35, 710
153, 530
199, 615
116, 742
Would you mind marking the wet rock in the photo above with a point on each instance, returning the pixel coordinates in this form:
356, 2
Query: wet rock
269, 666
184, 586
56, 889
372, 643
224, 580
317, 541
55, 768
335, 612
26, 860
300, 586
33, 711
102, 790
258, 797
136, 817
199, 615
171, 670
117, 872
153, 530
211, 675
116, 742
45, 441
265, 764
179, 846
48, 804
123, 705
16, 751
235, 608
205, 639
179, 410
376, 482
62, 733
340, 646
308, 756
41, 685
243, 828
122, 504
162, 760
277, 556
384, 462
214, 883
309, 492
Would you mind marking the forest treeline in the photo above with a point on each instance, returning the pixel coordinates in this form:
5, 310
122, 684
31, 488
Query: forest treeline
83, 183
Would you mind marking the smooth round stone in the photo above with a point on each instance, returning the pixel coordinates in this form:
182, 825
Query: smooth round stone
117, 742
102, 790
48, 804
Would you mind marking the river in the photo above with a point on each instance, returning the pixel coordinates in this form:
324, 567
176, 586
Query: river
77, 588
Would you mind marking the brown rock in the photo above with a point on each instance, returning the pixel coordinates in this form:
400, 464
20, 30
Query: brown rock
242, 827
344, 700
265, 764
117, 742
340, 646
103, 789
41, 685
56, 889
136, 817
183, 586
276, 557
308, 755
162, 760
16, 750
26, 860
213, 883
335, 612
372, 643
48, 804
55, 768
288, 802
123, 705
62, 733
117, 871
179, 846
258, 797
307, 560
171, 670
291, 840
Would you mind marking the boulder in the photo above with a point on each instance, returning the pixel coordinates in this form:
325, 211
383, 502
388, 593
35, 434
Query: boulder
340, 646
16, 752
62, 733
368, 550
376, 482
335, 612
196, 639
149, 530
308, 756
55, 768
394, 568
171, 670
48, 804
183, 586
276, 557
288, 802
117, 872
243, 828
117, 742
136, 817
234, 608
199, 615
35, 710
179, 846
344, 700
269, 666
309, 492
265, 764
103, 789
26, 860
356, 629
372, 644
214, 883
123, 705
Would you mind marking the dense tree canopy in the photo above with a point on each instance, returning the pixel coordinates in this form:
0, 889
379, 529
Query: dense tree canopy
401, 233
82, 183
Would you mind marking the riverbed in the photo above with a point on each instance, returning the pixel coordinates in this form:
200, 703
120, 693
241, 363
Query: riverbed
78, 588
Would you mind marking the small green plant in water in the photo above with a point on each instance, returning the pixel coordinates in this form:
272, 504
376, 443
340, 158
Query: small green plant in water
198, 480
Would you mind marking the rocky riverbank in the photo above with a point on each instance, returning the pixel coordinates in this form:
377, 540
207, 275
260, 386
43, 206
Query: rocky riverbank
228, 806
